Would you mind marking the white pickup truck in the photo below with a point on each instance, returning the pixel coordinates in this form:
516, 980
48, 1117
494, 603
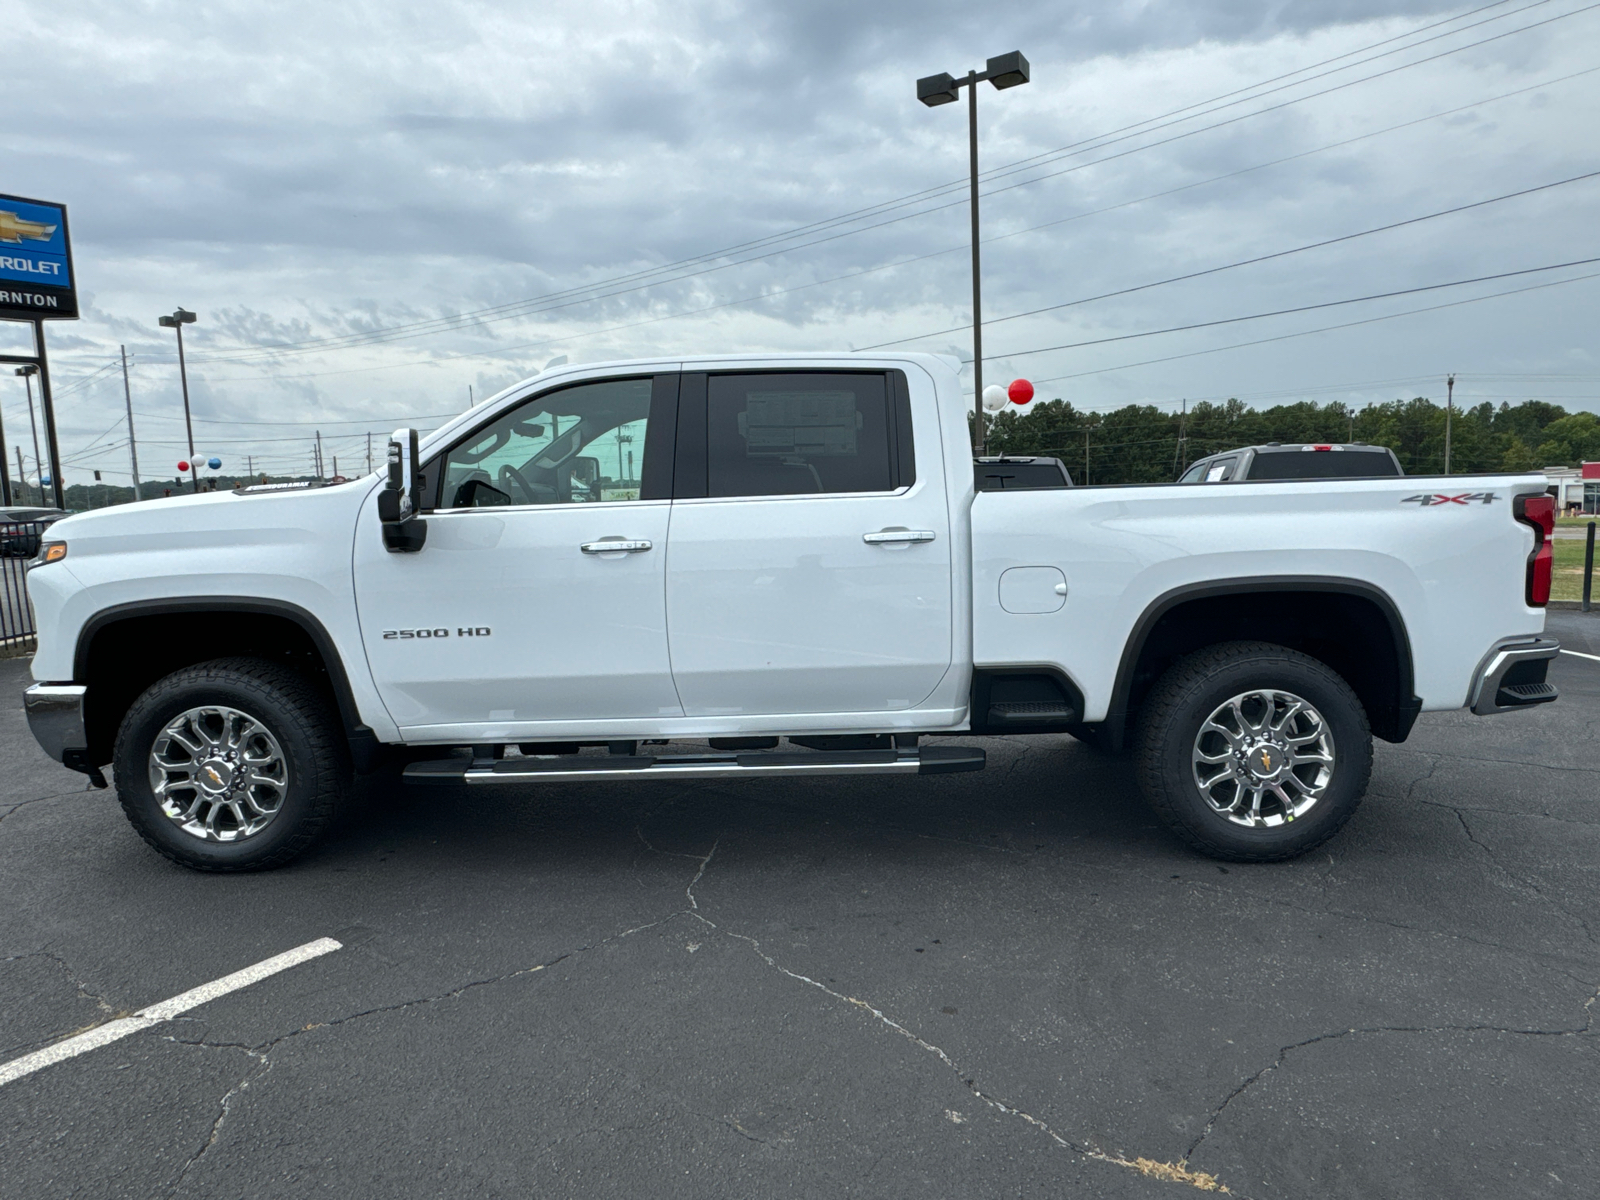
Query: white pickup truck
577, 577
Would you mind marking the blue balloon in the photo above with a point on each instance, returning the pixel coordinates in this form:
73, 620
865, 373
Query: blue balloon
213, 463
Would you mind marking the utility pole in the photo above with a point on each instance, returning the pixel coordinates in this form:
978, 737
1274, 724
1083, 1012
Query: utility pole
1086, 456
470, 401
249, 466
1181, 452
319, 455
22, 476
1449, 408
336, 466
369, 452
133, 451
1351, 413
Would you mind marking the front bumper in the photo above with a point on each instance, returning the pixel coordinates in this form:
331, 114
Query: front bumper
1512, 676
55, 715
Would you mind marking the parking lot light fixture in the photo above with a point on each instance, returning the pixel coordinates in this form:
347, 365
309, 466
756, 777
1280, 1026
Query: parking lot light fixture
28, 371
179, 318
1003, 71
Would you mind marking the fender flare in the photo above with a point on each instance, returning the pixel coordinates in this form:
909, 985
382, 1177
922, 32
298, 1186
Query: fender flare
363, 741
1407, 705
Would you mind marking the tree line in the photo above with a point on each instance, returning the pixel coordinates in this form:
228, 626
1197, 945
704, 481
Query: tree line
1143, 444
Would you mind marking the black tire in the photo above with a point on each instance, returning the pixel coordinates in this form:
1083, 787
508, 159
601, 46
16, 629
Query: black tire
1196, 687
292, 710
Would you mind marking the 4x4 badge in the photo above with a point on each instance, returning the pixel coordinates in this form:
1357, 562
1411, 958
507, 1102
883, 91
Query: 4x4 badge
1433, 499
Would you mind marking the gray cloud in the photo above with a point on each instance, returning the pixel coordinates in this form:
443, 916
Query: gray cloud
310, 171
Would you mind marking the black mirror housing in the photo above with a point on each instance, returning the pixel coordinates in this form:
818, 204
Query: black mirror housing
400, 501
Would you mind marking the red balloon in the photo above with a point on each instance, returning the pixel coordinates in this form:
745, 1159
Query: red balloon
183, 466
1020, 391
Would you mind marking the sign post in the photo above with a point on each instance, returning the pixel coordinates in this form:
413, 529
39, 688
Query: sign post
37, 284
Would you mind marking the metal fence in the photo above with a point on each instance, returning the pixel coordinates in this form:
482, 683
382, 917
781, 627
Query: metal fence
19, 542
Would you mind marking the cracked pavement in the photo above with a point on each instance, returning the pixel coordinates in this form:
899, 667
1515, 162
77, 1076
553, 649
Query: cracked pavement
1009, 983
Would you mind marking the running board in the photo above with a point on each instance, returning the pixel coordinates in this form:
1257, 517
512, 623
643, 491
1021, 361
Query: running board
929, 760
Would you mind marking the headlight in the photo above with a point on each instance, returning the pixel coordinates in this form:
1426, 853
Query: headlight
52, 552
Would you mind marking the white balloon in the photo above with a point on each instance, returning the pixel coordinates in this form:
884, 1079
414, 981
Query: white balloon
995, 398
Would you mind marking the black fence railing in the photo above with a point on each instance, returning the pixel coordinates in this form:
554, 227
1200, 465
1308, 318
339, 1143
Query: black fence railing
19, 542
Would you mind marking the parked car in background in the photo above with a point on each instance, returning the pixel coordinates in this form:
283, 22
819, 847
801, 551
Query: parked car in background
1281, 461
20, 529
1007, 472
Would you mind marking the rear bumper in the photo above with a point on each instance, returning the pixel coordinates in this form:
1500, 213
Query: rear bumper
1512, 676
55, 715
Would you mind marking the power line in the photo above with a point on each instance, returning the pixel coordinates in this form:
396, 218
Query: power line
1320, 329
1247, 262
1280, 312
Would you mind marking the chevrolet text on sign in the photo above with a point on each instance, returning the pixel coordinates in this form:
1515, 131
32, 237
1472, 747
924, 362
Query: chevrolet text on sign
36, 277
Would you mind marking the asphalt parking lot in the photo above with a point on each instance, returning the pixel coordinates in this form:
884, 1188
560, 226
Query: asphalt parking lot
1003, 984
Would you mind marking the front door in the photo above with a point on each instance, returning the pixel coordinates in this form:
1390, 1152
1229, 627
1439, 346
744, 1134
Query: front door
809, 569
516, 613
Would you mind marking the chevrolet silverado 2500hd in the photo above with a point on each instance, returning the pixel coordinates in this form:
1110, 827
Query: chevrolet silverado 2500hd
574, 578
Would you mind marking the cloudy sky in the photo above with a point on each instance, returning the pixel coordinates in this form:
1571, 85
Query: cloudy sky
375, 206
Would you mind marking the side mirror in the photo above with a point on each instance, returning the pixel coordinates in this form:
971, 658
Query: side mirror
404, 532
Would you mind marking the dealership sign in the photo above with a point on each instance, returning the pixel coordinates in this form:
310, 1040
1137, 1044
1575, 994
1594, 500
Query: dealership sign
36, 277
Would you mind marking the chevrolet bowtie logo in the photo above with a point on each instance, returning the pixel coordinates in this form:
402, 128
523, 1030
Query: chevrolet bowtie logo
1266, 760
13, 229
215, 778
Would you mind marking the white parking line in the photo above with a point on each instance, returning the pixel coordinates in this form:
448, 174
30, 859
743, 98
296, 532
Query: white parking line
111, 1031
1581, 654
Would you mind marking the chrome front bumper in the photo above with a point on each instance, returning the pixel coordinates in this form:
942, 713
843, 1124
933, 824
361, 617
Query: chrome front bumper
1512, 677
55, 714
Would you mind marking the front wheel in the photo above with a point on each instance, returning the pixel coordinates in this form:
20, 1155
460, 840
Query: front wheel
232, 765
1253, 752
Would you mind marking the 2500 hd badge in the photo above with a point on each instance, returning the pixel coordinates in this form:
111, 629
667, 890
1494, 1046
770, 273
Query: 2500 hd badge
463, 631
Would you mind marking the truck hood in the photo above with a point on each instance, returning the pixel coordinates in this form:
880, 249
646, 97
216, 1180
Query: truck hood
215, 518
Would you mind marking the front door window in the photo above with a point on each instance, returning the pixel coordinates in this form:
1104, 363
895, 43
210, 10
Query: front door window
579, 445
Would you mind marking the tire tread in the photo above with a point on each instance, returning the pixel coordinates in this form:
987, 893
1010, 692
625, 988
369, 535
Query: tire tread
1179, 687
308, 707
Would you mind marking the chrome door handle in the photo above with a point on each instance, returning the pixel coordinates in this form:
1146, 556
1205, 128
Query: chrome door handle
893, 537
615, 545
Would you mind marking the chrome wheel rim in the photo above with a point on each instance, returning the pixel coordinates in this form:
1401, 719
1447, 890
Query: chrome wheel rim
218, 773
1263, 758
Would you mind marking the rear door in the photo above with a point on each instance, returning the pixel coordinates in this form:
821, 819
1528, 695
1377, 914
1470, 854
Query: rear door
809, 561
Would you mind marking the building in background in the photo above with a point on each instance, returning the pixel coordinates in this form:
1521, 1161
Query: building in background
1576, 489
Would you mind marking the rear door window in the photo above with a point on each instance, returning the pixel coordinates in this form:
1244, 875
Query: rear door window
1220, 471
800, 433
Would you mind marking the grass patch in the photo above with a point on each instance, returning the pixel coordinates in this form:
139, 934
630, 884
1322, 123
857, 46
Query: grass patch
1567, 583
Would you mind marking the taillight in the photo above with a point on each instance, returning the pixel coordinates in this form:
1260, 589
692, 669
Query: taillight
1538, 511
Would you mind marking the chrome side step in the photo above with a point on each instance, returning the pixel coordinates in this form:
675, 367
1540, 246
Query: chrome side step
569, 768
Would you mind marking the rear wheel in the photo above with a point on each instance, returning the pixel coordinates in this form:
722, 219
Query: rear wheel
232, 765
1253, 752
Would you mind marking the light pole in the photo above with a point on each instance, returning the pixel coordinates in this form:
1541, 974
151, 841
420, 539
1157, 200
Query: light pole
27, 372
179, 318
1008, 70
